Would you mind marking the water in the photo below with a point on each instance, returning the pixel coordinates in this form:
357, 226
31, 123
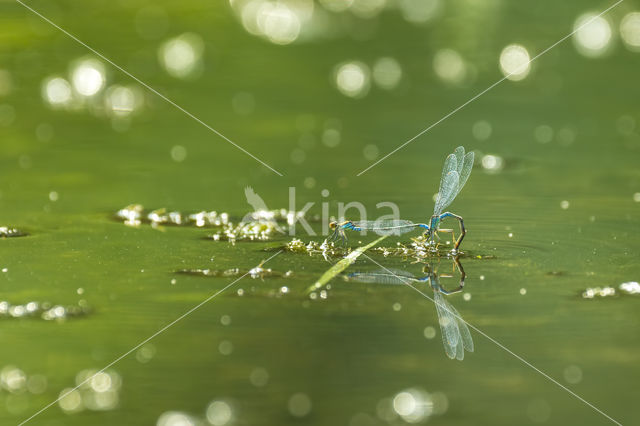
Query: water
360, 355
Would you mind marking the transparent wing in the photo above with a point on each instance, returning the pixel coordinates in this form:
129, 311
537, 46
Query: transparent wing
448, 191
448, 325
450, 165
459, 352
464, 170
467, 341
386, 227
392, 276
465, 335
459, 153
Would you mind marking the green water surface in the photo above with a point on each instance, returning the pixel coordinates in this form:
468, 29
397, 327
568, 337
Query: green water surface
364, 343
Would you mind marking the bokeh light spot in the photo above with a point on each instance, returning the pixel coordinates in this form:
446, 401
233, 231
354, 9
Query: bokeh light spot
449, 66
259, 377
481, 130
492, 163
88, 77
630, 31
370, 152
299, 404
181, 56
387, 73
352, 79
515, 62
57, 92
219, 413
419, 11
593, 35
572, 374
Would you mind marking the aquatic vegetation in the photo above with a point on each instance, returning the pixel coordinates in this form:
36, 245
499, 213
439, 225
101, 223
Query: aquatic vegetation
135, 215
252, 231
455, 173
43, 310
326, 249
260, 225
421, 248
591, 293
6, 232
340, 266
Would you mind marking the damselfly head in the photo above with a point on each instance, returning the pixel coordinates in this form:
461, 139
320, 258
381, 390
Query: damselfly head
333, 225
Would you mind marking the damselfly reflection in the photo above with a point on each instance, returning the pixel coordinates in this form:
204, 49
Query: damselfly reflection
456, 337
456, 171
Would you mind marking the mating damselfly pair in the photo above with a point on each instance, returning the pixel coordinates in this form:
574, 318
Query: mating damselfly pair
456, 171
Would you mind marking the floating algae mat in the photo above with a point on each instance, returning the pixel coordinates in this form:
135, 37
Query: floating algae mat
136, 214
314, 248
263, 225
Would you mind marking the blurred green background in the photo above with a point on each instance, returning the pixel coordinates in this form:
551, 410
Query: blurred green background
319, 91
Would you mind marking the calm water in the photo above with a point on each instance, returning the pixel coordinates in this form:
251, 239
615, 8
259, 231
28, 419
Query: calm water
557, 218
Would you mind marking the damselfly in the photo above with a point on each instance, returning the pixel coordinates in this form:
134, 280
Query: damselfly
380, 227
456, 171
456, 337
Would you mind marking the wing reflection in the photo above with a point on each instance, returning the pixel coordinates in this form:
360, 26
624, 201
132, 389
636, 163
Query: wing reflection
456, 337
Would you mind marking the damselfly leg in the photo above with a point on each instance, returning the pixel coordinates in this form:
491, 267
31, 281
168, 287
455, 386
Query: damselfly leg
463, 231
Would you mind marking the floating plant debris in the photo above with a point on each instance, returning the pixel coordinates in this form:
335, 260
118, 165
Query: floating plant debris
252, 231
136, 214
326, 249
6, 232
420, 248
260, 225
336, 269
43, 310
591, 293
